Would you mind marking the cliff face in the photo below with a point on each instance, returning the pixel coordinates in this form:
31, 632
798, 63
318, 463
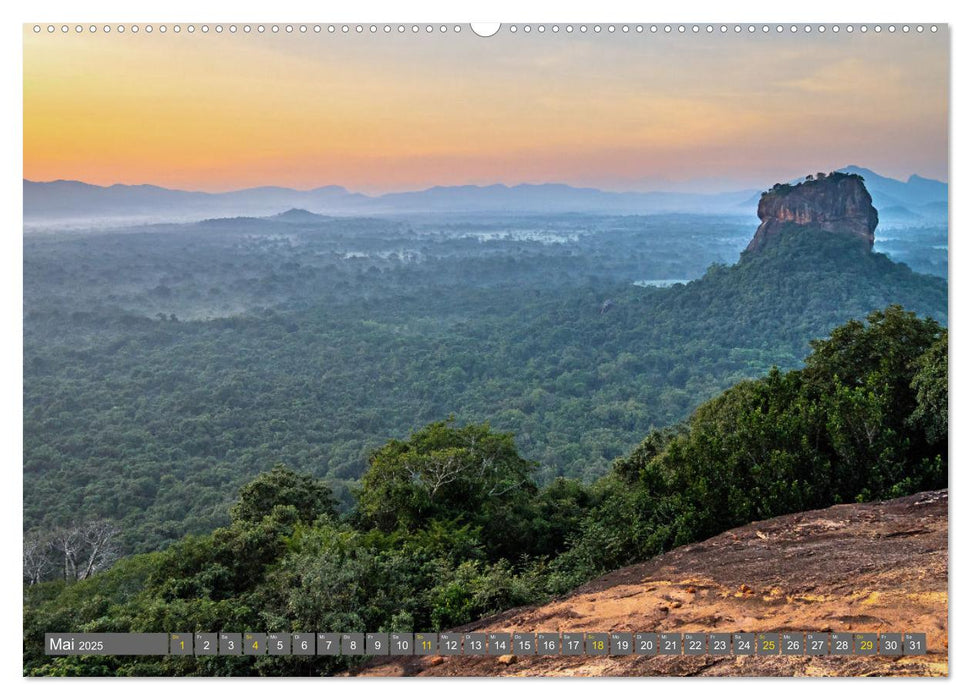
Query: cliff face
837, 203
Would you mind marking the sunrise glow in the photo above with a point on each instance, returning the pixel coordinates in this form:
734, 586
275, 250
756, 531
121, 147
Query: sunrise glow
377, 113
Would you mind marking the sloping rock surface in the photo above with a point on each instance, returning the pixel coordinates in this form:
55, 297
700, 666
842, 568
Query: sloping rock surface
856, 568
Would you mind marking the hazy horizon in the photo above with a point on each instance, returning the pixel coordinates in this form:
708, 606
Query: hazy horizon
680, 187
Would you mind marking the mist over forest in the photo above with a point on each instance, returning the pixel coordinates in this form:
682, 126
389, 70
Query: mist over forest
166, 365
220, 415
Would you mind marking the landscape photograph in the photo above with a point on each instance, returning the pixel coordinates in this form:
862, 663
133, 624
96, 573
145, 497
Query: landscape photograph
456, 355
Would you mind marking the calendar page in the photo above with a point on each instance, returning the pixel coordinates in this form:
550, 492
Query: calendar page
521, 349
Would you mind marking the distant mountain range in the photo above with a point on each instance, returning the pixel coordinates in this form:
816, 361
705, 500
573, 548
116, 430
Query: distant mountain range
70, 202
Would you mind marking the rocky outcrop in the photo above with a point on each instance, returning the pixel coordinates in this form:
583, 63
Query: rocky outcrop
858, 567
837, 203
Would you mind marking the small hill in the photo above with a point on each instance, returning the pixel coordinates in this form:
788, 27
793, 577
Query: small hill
874, 567
298, 216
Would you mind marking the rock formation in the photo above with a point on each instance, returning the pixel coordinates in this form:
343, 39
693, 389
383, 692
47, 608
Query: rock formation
837, 203
857, 567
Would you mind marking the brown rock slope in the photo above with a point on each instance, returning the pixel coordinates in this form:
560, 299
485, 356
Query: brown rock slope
857, 568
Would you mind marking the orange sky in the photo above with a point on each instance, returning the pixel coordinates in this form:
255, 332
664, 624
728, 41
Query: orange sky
378, 113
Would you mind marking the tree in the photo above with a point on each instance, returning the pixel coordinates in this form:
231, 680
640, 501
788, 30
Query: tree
98, 550
930, 383
66, 541
467, 474
85, 548
880, 353
281, 486
38, 564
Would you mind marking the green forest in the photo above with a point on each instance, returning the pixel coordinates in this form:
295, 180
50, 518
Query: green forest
452, 521
167, 367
